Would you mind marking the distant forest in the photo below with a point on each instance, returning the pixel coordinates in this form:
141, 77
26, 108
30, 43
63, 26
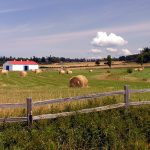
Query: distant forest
143, 56
46, 60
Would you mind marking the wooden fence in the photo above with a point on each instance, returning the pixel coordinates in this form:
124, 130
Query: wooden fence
29, 105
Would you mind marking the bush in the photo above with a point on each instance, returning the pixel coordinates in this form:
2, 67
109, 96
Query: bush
108, 71
97, 62
129, 70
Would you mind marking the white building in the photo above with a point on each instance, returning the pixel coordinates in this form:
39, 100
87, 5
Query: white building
20, 65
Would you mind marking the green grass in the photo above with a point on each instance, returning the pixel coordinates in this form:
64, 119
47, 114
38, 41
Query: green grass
50, 84
113, 129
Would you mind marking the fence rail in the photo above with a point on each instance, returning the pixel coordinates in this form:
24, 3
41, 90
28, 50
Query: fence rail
84, 111
29, 104
13, 119
13, 105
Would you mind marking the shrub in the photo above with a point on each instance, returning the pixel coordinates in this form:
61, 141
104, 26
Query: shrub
145, 79
129, 70
97, 62
108, 71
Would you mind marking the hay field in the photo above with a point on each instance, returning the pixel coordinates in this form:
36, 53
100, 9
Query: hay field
51, 84
85, 65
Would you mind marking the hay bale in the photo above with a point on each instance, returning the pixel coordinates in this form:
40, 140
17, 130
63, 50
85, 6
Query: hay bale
140, 69
90, 70
62, 71
136, 69
38, 71
69, 72
79, 81
5, 72
23, 73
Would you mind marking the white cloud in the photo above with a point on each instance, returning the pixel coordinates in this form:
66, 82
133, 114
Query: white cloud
102, 39
126, 52
111, 49
8, 10
96, 51
3, 11
140, 49
95, 57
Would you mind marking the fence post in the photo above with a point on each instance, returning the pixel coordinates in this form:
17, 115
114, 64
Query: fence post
29, 111
126, 96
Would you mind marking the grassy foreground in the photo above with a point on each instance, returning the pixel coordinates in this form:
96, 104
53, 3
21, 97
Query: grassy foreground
114, 129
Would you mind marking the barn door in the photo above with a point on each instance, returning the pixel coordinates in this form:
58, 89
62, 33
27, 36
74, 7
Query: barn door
26, 68
7, 67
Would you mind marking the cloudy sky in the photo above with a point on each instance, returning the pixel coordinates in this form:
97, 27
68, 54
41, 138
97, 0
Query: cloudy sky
73, 28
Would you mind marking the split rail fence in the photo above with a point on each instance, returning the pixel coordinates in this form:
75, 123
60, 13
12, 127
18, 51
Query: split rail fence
29, 105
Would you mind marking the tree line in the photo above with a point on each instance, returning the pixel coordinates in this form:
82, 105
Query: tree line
142, 57
45, 60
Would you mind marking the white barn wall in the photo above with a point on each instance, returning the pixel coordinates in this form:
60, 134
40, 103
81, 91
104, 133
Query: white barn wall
33, 67
21, 67
17, 68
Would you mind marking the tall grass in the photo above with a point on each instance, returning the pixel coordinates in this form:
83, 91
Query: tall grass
113, 129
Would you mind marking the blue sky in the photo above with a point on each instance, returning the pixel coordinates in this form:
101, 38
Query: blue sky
68, 27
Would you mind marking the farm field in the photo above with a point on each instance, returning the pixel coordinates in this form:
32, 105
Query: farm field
111, 129
50, 84
86, 65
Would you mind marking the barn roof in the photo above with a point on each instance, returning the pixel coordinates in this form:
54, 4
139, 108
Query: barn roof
15, 62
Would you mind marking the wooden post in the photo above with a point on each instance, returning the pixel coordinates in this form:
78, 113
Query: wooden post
29, 111
126, 96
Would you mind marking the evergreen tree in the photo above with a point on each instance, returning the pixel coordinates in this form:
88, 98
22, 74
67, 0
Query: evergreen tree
109, 61
140, 59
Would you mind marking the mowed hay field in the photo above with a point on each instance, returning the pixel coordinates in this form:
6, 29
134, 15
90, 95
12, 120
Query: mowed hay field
50, 84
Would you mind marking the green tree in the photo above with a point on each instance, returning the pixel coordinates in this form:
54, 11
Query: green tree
146, 50
141, 59
109, 61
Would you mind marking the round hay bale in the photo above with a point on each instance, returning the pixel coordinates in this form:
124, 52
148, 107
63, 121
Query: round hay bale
23, 73
5, 72
62, 72
33, 70
79, 81
38, 71
140, 69
69, 72
90, 70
